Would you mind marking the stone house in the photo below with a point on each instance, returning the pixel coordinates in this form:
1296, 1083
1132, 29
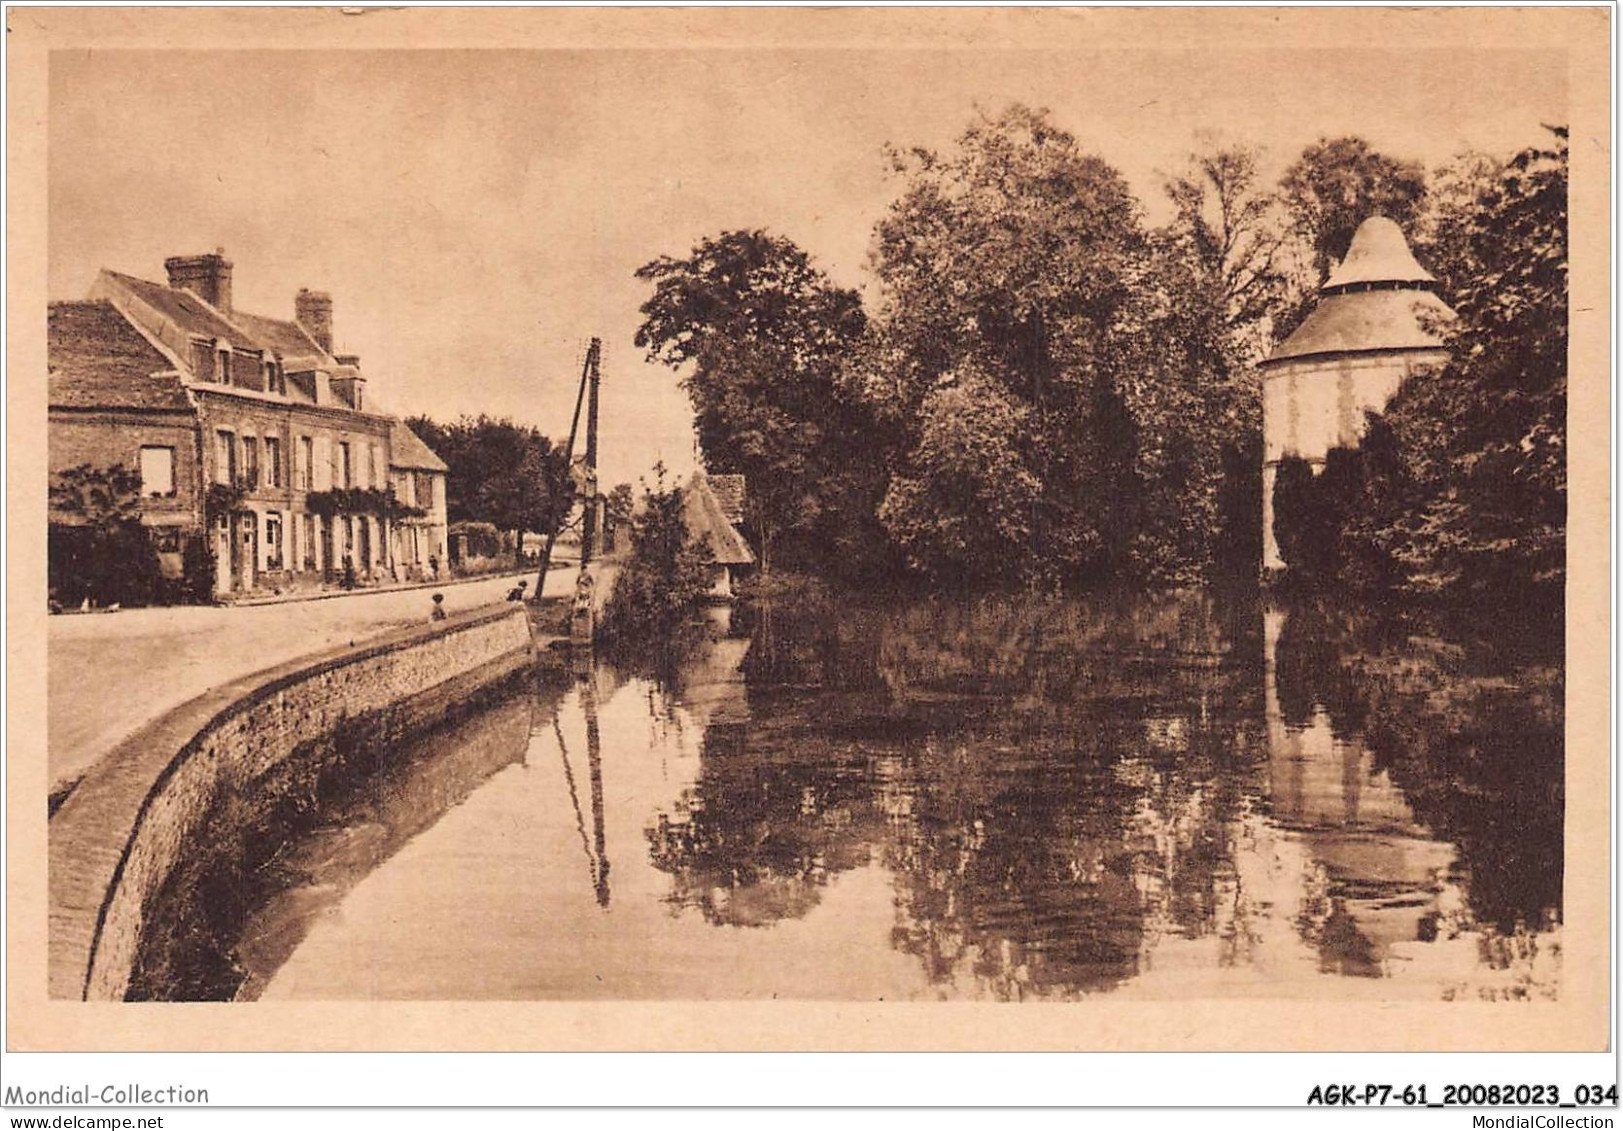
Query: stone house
250, 433
419, 548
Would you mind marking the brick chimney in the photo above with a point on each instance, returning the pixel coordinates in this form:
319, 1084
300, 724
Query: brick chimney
206, 276
313, 311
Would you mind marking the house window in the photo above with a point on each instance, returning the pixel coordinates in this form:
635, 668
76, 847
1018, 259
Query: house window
309, 543
273, 541
425, 491
250, 461
343, 468
307, 467
273, 461
223, 360
225, 463
157, 472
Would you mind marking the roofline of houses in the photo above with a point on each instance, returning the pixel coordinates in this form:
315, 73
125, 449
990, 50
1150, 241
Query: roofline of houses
271, 400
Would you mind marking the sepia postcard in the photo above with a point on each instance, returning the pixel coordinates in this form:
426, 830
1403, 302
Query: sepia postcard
809, 529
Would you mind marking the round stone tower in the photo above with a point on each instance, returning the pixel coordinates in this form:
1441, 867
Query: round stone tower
1375, 324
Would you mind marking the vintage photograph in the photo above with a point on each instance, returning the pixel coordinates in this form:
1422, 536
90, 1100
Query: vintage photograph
786, 522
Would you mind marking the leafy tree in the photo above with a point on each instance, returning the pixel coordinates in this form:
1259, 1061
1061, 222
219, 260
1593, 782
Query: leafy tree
961, 508
1311, 510
499, 472
1203, 309
1228, 232
1482, 445
101, 552
663, 578
1011, 258
97, 496
760, 333
621, 502
1442, 232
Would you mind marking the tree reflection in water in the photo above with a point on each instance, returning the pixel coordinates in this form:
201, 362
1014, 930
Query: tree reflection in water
1059, 789
1465, 733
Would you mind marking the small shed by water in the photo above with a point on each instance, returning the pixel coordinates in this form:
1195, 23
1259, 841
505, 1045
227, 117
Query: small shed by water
705, 517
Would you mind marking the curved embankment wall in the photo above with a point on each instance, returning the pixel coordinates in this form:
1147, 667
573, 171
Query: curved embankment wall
117, 836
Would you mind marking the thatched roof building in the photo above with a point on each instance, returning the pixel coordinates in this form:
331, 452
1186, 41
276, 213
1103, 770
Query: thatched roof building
706, 518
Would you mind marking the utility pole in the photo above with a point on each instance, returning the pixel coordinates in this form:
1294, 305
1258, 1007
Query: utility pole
591, 516
587, 370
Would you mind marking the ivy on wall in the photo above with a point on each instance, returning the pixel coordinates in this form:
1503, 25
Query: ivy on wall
377, 501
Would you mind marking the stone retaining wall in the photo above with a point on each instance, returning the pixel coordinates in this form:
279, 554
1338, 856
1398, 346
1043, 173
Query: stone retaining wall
113, 842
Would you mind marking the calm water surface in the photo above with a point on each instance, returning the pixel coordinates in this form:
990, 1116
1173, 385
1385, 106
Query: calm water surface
1173, 797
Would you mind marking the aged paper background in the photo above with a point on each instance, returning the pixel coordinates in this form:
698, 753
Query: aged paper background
1577, 1022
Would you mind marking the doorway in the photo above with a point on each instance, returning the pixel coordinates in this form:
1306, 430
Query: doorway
326, 547
225, 556
250, 548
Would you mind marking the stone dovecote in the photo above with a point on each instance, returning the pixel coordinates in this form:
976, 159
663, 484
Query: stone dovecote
1378, 322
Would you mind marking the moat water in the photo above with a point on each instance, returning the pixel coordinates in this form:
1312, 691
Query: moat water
1168, 797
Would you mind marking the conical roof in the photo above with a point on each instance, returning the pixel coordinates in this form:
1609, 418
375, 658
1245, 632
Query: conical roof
1378, 298
1368, 320
1378, 254
702, 513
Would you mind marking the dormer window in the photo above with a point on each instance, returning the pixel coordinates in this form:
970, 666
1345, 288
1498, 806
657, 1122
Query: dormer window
203, 361
223, 361
275, 379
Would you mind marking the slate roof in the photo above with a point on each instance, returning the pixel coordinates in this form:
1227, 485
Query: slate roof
183, 308
702, 514
1367, 320
1377, 298
729, 491
287, 340
406, 449
97, 359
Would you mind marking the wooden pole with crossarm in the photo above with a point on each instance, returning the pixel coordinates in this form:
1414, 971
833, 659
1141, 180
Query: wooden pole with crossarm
588, 375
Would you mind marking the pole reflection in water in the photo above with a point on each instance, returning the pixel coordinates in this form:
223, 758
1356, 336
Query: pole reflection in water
1170, 797
594, 759
592, 867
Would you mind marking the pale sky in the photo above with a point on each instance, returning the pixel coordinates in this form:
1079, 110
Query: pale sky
478, 215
